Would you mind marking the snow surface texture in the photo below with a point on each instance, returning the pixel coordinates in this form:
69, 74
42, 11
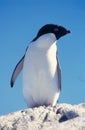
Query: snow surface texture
60, 117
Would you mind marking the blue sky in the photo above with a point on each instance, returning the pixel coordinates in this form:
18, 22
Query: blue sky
20, 21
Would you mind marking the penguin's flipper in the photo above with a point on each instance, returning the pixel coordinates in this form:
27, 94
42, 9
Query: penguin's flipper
16, 71
59, 75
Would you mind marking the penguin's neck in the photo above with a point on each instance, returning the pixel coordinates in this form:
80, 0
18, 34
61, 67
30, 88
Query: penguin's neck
45, 41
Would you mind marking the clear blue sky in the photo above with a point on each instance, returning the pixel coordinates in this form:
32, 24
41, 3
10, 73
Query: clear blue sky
20, 21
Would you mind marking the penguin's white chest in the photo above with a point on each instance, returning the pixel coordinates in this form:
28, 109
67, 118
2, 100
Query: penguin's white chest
40, 85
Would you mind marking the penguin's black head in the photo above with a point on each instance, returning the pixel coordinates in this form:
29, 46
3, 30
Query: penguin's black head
58, 30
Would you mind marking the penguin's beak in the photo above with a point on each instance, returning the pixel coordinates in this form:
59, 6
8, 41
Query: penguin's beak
68, 31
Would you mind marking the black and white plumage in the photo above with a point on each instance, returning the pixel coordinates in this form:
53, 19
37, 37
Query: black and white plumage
41, 70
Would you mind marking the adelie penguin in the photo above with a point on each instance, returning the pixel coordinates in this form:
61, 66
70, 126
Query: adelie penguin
41, 70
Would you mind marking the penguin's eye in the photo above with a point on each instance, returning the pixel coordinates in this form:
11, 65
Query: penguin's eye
56, 29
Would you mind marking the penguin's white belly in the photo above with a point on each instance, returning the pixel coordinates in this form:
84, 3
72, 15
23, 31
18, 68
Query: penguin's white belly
40, 85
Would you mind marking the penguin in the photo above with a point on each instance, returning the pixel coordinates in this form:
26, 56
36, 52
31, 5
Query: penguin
41, 73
